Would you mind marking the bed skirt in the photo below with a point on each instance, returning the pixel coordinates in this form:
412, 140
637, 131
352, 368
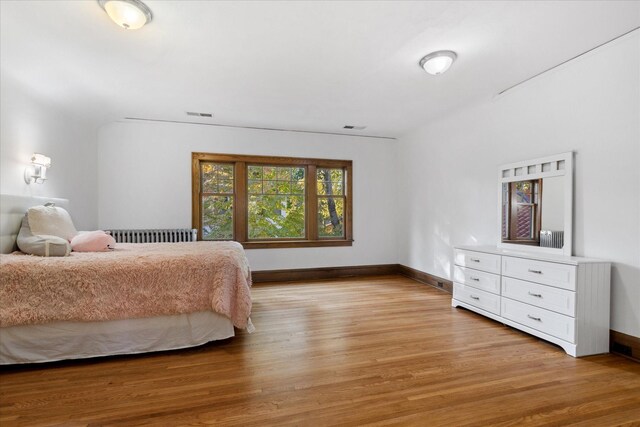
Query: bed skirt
79, 340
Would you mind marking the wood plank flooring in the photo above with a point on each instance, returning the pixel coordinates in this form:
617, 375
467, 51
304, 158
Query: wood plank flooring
365, 351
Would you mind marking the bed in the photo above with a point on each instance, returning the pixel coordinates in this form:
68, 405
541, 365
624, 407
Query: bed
137, 298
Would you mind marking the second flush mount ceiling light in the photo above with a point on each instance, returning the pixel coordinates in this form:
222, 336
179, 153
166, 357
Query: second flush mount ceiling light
438, 62
129, 14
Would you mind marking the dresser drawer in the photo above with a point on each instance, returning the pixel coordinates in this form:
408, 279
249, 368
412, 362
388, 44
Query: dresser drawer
543, 296
477, 298
478, 260
548, 273
546, 321
477, 279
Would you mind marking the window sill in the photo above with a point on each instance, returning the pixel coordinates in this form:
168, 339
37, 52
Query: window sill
295, 244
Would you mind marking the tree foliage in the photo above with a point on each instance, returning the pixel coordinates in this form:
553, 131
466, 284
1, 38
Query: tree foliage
276, 202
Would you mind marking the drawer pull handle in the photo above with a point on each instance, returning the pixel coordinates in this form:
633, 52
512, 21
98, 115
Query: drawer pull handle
474, 259
475, 279
535, 271
474, 297
537, 319
535, 295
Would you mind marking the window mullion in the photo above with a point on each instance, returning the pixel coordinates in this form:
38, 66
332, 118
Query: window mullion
348, 202
196, 198
240, 202
311, 202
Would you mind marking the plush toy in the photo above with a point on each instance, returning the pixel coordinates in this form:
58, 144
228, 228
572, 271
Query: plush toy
93, 241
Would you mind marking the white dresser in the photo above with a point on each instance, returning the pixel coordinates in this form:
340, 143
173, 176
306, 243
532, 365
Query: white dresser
564, 300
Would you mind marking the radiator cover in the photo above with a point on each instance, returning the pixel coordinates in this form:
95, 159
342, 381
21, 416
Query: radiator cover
551, 239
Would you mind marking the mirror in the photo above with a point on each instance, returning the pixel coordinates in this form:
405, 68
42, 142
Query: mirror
536, 204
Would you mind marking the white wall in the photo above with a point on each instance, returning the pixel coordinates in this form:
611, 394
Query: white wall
591, 106
30, 124
145, 182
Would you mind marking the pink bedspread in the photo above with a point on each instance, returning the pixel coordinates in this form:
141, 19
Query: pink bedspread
133, 281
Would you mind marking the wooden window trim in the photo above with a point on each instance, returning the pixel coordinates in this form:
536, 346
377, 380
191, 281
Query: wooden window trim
241, 197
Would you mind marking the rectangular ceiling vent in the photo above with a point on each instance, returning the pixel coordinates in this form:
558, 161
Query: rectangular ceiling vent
193, 113
354, 127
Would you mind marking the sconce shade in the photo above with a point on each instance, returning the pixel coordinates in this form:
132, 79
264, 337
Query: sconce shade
129, 14
438, 62
41, 160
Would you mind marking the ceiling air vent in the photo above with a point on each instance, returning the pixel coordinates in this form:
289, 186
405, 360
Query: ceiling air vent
354, 127
193, 113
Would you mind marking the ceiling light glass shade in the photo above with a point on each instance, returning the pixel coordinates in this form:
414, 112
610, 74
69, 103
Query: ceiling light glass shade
438, 62
129, 14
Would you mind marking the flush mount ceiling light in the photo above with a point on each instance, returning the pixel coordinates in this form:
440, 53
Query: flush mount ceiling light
129, 14
438, 62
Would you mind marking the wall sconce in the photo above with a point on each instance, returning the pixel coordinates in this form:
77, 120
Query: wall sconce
37, 171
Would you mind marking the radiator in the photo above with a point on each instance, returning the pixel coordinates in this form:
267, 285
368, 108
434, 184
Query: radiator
551, 239
155, 236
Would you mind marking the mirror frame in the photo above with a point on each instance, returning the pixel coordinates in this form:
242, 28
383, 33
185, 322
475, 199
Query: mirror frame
560, 165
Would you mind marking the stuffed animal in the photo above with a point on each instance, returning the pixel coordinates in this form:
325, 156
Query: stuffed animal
93, 241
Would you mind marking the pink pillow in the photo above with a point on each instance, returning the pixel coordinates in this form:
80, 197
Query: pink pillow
93, 241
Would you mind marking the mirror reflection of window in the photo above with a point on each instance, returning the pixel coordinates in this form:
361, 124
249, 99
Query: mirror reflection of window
522, 211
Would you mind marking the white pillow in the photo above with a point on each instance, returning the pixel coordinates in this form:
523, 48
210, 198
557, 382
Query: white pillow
41, 245
52, 221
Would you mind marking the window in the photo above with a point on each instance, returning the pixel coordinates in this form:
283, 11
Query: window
272, 202
276, 202
217, 200
331, 202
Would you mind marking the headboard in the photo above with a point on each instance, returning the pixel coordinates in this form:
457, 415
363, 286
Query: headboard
12, 210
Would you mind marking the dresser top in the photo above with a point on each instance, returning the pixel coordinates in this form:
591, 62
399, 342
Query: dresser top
572, 260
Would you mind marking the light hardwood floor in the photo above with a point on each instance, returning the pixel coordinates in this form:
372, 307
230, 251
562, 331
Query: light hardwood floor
367, 351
